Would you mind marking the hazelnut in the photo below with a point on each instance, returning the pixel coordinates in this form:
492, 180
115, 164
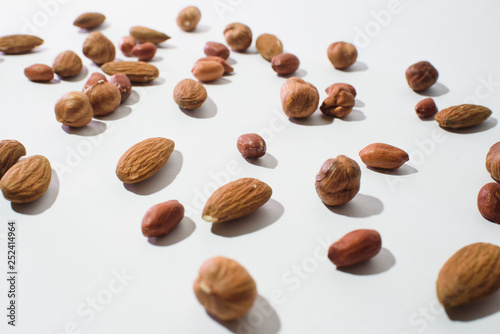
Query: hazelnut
251, 146
285, 63
225, 288
339, 103
421, 76
39, 73
342, 54
67, 64
227, 67
126, 44
144, 51
216, 49
98, 48
350, 88
338, 180
104, 97
190, 94
162, 218
74, 109
208, 70
488, 202
123, 83
426, 108
493, 162
94, 78
268, 46
188, 18
299, 98
238, 36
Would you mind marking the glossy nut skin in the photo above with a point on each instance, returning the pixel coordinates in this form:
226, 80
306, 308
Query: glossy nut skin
93, 79
426, 108
350, 88
188, 18
126, 44
227, 68
144, 51
207, 70
123, 83
162, 218
299, 98
355, 247
285, 63
342, 54
216, 49
238, 36
488, 202
339, 103
251, 146
39, 73
493, 162
385, 156
421, 76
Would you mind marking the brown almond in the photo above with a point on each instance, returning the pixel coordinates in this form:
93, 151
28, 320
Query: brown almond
227, 67
89, 20
462, 116
136, 71
162, 218
269, 46
190, 94
332, 87
144, 51
493, 162
208, 70
99, 48
355, 247
236, 199
39, 73
27, 180
10, 152
143, 34
15, 44
67, 64
144, 159
216, 49
285, 63
384, 156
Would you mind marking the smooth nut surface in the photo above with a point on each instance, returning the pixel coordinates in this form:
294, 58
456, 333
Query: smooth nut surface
299, 98
162, 218
93, 79
144, 34
99, 48
190, 94
385, 156
339, 103
39, 73
216, 49
238, 36
188, 18
332, 87
67, 64
251, 145
144, 51
268, 46
123, 83
104, 97
493, 162
426, 108
421, 76
342, 54
126, 44
207, 70
355, 247
285, 63
74, 109
89, 20
227, 68
488, 202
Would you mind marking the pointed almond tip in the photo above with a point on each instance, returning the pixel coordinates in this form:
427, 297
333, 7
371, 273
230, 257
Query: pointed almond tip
210, 219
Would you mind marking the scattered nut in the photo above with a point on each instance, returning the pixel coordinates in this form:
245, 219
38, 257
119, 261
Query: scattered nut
67, 64
143, 34
342, 54
299, 98
207, 70
99, 48
89, 20
10, 152
123, 83
162, 218
355, 247
39, 73
269, 46
144, 51
136, 71
227, 67
383, 156
190, 94
421, 76
462, 116
350, 88
188, 18
285, 63
93, 79
238, 36
426, 108
251, 145
488, 202
104, 97
126, 44
16, 44
74, 109
493, 162
339, 102
216, 49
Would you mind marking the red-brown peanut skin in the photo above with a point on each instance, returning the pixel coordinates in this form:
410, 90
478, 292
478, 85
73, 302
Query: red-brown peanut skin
355, 247
162, 218
488, 202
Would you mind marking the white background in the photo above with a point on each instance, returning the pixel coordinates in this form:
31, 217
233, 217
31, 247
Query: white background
86, 228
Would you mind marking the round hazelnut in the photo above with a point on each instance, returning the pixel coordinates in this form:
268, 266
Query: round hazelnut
216, 49
421, 76
493, 162
104, 97
299, 98
251, 146
238, 36
126, 44
488, 202
268, 46
207, 70
285, 63
94, 78
426, 108
342, 54
67, 64
144, 51
188, 18
190, 94
98, 48
339, 102
123, 83
74, 109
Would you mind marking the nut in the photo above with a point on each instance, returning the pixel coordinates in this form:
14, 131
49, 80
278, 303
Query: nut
238, 36
251, 146
342, 54
15, 44
355, 247
338, 180
339, 102
136, 71
126, 44
207, 70
299, 99
493, 162
144, 159
488, 202
104, 97
227, 67
421, 76
188, 18
89, 20
39, 73
190, 94
27, 180
67, 64
383, 156
285, 63
471, 274
162, 218
143, 34
74, 109
99, 48
269, 46
350, 88
216, 49
462, 116
426, 108
236, 199
225, 288
123, 83
145, 51
10, 152
94, 78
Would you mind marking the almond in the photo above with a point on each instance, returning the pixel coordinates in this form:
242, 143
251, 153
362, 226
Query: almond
144, 159
236, 199
99, 48
220, 60
471, 274
384, 156
136, 71
27, 180
143, 34
39, 73
10, 152
462, 116
89, 20
355, 247
67, 64
14, 44
162, 218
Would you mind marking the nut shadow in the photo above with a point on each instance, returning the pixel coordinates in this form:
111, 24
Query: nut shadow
491, 122
103, 26
252, 50
161, 179
156, 82
164, 45
438, 89
134, 98
478, 310
380, 263
37, 49
183, 230
231, 61
267, 215
361, 206
313, 120
358, 66
354, 116
207, 110
300, 73
121, 112
200, 28
94, 128
359, 103
266, 161
155, 59
403, 170
54, 81
79, 77
43, 203
218, 82
262, 309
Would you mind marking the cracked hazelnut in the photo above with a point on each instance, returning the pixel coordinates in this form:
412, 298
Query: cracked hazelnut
339, 103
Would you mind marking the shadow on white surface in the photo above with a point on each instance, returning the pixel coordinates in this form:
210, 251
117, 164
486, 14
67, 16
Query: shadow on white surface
359, 103
132, 99
121, 112
94, 128
161, 179
403, 170
268, 214
260, 319
1, 60
43, 203
79, 77
166, 45
183, 230
300, 73
361, 206
435, 90
481, 309
252, 50
102, 27
218, 82
207, 110
156, 82
490, 123
38, 49
378, 264
355, 116
358, 66
155, 59
315, 119
231, 61
200, 28
54, 81
266, 161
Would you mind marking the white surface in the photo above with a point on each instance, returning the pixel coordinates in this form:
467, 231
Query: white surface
88, 225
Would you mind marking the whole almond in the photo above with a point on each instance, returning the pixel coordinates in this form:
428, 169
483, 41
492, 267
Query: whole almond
104, 97
162, 218
236, 199
332, 87
299, 98
471, 274
99, 48
39, 73
355, 247
126, 44
269, 46
123, 83
383, 156
488, 202
74, 109
143, 34
426, 108
27, 180
93, 79
188, 18
285, 63
144, 159
10, 152
144, 51
339, 103
207, 70
462, 116
190, 94
89, 20
238, 36
15, 44
227, 67
493, 162
216, 49
67, 64
136, 71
